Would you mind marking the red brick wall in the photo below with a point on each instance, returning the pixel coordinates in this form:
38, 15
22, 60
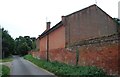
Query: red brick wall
57, 38
88, 23
62, 55
43, 43
104, 55
35, 54
101, 55
43, 54
37, 44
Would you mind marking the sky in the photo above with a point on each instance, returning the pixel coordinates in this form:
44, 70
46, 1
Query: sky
29, 17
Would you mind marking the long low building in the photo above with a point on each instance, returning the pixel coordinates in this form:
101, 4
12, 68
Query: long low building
87, 30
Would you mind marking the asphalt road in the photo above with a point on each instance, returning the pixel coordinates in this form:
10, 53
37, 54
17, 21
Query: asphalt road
21, 66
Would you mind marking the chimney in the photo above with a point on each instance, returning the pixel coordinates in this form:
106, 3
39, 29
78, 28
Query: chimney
63, 19
48, 25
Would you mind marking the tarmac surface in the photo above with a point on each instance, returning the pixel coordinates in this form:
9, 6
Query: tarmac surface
20, 66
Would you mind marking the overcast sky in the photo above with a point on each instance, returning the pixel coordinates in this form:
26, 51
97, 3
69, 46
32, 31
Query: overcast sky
28, 17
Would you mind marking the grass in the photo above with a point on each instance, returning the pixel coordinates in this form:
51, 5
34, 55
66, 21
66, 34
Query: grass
6, 60
4, 71
64, 70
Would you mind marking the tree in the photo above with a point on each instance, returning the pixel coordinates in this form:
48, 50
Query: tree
118, 24
24, 49
23, 45
28, 41
0, 43
7, 44
20, 45
33, 43
117, 21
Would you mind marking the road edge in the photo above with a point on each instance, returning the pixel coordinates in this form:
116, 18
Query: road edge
40, 68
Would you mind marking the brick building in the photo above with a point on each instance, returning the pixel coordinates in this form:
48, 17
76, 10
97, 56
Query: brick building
91, 31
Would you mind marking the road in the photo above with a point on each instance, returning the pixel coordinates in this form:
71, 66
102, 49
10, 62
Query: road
21, 66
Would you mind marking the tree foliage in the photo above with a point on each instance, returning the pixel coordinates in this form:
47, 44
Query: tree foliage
20, 45
24, 44
118, 24
7, 44
117, 21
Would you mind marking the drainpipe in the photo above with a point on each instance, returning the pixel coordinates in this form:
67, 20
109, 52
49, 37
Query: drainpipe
47, 28
47, 47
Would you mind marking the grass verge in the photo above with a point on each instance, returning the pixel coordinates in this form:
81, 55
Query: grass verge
64, 70
6, 60
4, 71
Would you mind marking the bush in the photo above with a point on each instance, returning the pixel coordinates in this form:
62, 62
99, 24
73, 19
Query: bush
5, 71
61, 69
